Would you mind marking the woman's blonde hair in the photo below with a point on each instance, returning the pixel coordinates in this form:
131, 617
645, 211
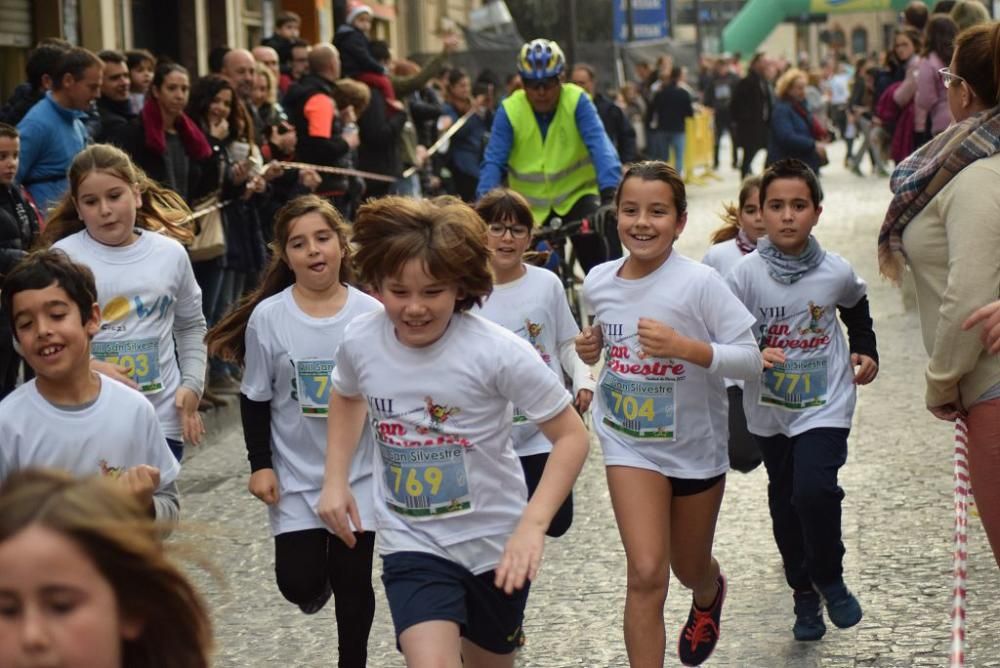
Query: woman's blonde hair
731, 211
272, 82
162, 209
123, 543
445, 234
227, 338
787, 80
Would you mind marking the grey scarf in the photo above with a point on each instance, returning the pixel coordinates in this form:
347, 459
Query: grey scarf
789, 268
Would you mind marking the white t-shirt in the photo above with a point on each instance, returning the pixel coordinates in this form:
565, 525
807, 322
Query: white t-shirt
723, 257
289, 356
671, 412
815, 386
141, 289
117, 431
445, 467
533, 307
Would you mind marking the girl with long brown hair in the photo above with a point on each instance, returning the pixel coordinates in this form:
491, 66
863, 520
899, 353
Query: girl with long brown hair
285, 334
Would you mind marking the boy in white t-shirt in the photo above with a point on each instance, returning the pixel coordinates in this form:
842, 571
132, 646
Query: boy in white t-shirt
459, 544
69, 417
800, 409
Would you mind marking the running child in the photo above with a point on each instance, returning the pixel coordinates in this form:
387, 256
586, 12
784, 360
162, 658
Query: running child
152, 326
799, 410
737, 237
671, 331
284, 334
530, 302
459, 542
69, 417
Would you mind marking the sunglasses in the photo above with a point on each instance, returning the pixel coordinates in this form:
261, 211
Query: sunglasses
541, 84
948, 78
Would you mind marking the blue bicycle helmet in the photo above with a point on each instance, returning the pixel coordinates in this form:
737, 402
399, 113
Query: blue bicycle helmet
540, 59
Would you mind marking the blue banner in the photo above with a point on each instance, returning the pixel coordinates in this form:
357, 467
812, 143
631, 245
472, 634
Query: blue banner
650, 20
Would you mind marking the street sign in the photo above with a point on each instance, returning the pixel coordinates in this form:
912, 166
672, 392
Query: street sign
650, 19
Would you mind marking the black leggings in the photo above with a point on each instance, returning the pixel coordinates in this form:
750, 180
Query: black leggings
533, 466
306, 561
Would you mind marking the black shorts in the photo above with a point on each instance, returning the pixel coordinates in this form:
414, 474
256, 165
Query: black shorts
692, 486
423, 588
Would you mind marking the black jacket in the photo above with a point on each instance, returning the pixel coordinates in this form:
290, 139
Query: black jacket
380, 138
355, 56
619, 130
19, 103
331, 151
19, 227
670, 106
203, 177
751, 109
115, 116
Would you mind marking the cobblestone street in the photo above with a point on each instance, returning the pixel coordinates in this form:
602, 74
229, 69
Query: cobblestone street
897, 523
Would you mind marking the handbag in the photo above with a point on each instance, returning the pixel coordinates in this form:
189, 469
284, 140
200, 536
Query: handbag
209, 239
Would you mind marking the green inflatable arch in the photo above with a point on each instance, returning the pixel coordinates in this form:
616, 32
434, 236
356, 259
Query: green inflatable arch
758, 18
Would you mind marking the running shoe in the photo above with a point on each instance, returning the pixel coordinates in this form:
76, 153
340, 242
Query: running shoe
842, 607
808, 616
701, 633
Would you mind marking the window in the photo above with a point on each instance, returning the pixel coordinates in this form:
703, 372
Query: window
859, 41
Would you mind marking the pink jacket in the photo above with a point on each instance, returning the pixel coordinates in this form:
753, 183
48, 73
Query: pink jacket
931, 101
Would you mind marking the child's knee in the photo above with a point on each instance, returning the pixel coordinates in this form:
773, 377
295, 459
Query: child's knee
300, 586
648, 577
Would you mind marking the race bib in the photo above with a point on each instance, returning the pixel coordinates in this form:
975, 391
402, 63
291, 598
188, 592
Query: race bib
795, 385
427, 481
640, 409
312, 380
141, 359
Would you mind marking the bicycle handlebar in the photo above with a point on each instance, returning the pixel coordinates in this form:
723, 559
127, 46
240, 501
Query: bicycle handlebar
558, 229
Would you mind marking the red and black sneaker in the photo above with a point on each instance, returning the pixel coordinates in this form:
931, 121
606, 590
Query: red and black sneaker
701, 633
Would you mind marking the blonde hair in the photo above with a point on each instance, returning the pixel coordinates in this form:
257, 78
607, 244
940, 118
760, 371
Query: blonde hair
731, 211
787, 80
162, 209
227, 337
123, 542
445, 234
272, 81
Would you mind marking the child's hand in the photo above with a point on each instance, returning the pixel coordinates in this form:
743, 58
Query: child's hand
772, 356
522, 557
657, 339
186, 402
583, 399
264, 485
141, 481
946, 412
336, 506
989, 315
119, 373
866, 366
589, 343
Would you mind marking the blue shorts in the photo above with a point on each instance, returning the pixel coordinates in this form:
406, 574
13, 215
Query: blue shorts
423, 588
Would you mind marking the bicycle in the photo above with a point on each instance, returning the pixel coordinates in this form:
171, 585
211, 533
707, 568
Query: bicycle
556, 235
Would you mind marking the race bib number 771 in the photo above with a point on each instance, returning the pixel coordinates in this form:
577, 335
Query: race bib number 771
795, 385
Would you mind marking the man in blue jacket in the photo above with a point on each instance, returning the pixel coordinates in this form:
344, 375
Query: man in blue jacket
53, 132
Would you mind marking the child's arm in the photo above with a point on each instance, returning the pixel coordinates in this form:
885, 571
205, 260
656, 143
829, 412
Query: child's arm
345, 423
738, 358
583, 380
256, 418
522, 555
861, 340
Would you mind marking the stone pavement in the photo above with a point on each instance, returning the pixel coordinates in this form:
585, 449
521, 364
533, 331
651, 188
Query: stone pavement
897, 525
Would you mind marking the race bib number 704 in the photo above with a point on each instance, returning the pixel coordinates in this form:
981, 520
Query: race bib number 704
640, 409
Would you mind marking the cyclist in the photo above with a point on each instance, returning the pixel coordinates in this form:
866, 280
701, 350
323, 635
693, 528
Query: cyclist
550, 143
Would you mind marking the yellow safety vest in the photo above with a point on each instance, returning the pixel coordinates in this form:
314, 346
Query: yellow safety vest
555, 173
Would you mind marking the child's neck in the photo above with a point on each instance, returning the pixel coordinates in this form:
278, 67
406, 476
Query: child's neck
634, 268
322, 303
508, 275
80, 387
